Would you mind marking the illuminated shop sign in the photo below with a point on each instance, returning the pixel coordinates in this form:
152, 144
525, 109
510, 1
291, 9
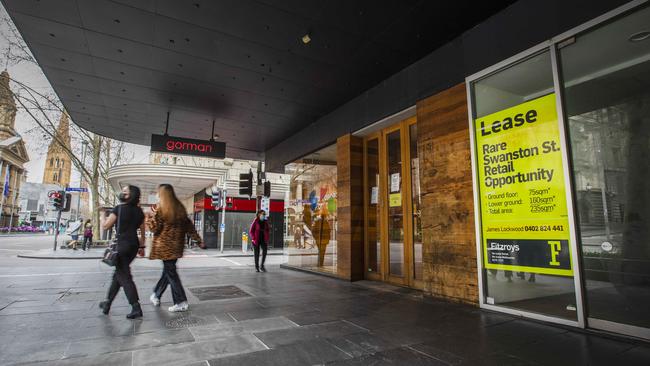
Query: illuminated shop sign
178, 145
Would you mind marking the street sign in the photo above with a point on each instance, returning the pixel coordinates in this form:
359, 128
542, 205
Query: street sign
222, 227
76, 189
179, 145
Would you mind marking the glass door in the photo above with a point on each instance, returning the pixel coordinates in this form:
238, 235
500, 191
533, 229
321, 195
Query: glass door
395, 210
373, 199
392, 206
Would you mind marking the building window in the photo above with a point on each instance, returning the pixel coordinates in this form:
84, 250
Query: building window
51, 162
56, 177
523, 268
310, 230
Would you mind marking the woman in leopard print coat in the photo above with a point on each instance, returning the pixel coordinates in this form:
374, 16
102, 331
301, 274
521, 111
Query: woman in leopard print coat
170, 225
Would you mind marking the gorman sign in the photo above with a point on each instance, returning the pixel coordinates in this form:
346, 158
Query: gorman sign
178, 145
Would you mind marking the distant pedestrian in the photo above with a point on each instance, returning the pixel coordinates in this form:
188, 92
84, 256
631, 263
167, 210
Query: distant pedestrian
88, 235
128, 217
260, 232
169, 224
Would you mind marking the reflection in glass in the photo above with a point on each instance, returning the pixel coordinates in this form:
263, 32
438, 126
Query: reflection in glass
606, 78
416, 200
310, 209
539, 293
372, 190
395, 211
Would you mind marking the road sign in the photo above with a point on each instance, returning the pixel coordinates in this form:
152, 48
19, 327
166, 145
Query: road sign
76, 189
222, 227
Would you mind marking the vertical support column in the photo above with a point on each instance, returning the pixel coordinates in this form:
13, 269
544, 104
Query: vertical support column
349, 208
449, 246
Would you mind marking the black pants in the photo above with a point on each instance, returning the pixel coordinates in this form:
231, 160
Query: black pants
256, 250
122, 276
170, 277
88, 241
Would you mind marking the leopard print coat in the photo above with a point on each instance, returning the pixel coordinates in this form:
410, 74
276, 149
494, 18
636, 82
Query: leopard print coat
169, 237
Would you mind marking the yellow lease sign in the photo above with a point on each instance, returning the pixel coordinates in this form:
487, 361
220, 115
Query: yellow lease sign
524, 218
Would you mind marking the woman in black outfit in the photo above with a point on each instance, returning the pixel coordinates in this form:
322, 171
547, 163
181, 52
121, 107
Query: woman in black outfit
128, 217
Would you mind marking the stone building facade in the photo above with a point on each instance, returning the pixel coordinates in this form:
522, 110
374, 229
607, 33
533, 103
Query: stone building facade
57, 164
13, 155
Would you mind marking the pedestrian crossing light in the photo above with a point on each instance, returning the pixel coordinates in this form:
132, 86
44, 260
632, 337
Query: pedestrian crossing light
246, 184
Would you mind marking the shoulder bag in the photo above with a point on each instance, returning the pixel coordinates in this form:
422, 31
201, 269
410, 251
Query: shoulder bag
110, 254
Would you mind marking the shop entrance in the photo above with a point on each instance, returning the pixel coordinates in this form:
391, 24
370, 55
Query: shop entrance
393, 230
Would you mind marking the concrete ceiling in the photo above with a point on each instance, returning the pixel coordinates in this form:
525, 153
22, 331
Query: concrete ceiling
120, 66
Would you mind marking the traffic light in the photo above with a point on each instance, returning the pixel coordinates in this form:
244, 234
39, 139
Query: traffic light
68, 202
56, 199
216, 198
246, 184
267, 189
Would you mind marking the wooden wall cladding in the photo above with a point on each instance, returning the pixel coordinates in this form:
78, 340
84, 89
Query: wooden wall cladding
449, 244
349, 245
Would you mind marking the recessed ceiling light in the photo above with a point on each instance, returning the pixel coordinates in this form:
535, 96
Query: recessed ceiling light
52, 35
306, 38
639, 36
119, 50
116, 21
171, 41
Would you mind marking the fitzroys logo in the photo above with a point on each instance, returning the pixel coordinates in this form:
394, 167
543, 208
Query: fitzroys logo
498, 246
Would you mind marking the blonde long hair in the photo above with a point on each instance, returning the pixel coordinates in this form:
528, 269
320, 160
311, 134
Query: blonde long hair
170, 208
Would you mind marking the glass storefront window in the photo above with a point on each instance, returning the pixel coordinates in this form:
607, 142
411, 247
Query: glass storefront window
606, 73
524, 222
310, 210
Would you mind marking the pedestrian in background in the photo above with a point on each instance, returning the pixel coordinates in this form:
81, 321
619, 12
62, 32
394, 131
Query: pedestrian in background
88, 235
260, 233
169, 224
128, 217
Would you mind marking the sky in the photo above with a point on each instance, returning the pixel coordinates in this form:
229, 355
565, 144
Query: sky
32, 75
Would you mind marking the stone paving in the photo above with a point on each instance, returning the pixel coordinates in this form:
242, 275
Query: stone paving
281, 317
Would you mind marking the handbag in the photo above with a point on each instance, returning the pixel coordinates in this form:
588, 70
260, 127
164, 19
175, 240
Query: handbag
110, 254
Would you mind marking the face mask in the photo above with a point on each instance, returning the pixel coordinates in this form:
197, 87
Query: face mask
122, 197
263, 217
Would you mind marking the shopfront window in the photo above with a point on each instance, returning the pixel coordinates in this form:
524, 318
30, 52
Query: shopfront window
373, 229
524, 228
606, 74
310, 232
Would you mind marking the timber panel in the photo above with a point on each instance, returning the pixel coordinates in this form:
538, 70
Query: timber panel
449, 244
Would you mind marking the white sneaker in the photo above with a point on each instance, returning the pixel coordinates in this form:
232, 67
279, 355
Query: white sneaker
184, 306
154, 300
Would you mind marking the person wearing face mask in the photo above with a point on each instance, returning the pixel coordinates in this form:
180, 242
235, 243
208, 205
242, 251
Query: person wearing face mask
128, 218
169, 224
259, 233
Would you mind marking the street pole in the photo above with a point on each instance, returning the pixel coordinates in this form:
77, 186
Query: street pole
56, 232
81, 176
223, 213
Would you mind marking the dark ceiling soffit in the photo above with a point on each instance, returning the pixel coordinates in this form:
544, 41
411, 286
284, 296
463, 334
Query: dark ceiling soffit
423, 78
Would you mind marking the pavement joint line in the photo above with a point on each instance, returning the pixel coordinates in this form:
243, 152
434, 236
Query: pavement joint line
231, 261
356, 325
259, 340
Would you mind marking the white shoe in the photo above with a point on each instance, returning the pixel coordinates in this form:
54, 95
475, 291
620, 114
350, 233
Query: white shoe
184, 306
154, 300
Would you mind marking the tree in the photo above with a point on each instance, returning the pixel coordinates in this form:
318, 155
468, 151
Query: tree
44, 108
